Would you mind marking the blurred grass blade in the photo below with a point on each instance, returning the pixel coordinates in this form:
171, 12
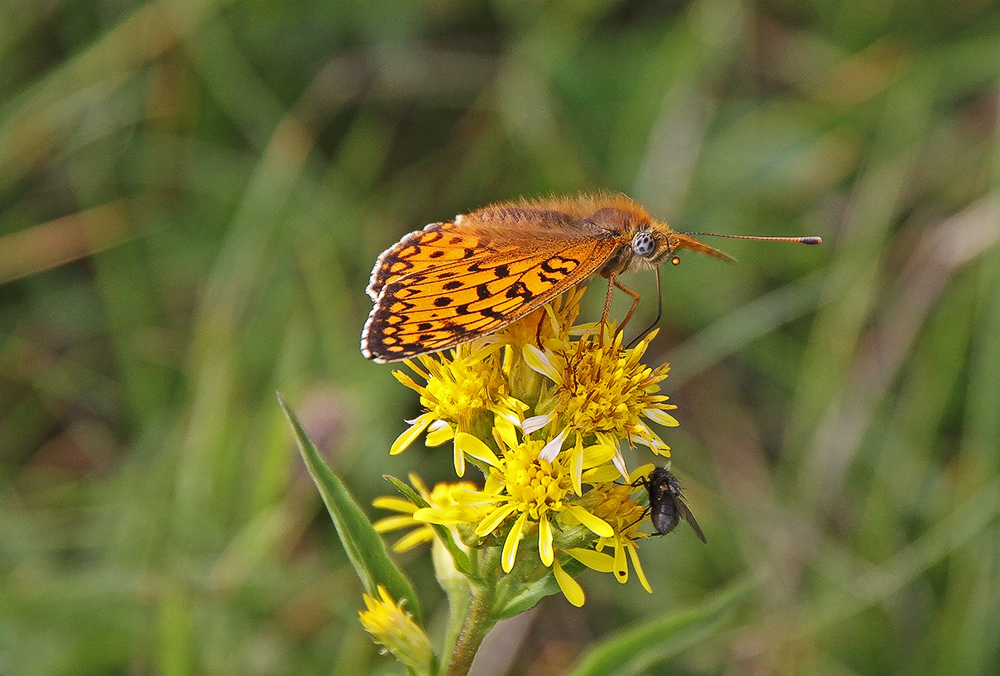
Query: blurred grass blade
364, 546
641, 646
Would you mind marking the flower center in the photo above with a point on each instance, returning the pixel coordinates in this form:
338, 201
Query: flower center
461, 391
614, 504
601, 390
535, 486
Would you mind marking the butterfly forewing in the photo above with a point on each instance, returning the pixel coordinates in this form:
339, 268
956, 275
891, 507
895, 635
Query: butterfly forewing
437, 245
434, 302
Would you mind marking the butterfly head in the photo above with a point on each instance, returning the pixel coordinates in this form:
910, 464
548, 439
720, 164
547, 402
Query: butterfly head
659, 243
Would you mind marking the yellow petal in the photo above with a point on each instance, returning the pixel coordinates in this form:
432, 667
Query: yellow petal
506, 430
576, 466
571, 589
640, 472
391, 523
416, 369
461, 514
447, 517
494, 520
609, 440
621, 566
509, 553
408, 382
602, 563
633, 554
503, 415
395, 504
540, 362
476, 448
418, 483
545, 540
597, 454
470, 497
429, 515
412, 539
595, 523
459, 459
410, 435
439, 433
660, 416
601, 475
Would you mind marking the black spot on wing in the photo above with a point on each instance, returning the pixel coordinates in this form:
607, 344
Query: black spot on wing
519, 290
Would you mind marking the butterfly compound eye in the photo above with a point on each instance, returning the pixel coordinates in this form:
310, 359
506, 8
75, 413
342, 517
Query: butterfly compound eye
643, 244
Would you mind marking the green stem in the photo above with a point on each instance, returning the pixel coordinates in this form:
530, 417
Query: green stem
477, 624
459, 601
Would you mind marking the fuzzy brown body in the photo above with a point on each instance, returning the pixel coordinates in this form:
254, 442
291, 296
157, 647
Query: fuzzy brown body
452, 282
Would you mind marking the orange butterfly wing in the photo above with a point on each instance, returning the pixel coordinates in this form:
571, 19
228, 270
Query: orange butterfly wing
448, 284
438, 244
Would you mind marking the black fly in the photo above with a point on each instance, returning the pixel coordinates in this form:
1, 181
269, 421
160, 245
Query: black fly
666, 505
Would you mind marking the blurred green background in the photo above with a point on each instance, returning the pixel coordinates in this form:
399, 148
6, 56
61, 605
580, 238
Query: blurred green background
192, 195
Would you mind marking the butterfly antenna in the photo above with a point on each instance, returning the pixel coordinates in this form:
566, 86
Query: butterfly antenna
799, 240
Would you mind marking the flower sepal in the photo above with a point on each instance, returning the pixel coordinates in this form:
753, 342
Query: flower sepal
529, 582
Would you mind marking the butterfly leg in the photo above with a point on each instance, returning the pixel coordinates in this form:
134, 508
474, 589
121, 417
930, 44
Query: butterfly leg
612, 282
538, 330
635, 302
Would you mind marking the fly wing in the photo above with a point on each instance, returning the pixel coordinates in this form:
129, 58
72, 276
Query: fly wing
689, 517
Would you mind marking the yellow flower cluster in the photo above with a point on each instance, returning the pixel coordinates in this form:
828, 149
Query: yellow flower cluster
541, 409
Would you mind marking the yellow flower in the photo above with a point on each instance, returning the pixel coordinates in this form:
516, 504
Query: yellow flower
444, 497
524, 484
552, 479
601, 390
395, 629
460, 389
613, 503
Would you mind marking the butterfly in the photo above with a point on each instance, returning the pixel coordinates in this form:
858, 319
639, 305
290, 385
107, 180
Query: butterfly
456, 281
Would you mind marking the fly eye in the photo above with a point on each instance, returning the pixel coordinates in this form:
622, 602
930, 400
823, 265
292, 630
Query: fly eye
643, 244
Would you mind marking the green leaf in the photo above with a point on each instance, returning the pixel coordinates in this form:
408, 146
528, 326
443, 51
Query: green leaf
462, 561
636, 649
363, 545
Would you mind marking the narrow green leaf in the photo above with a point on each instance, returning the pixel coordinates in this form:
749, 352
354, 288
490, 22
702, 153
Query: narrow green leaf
635, 649
462, 561
363, 545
